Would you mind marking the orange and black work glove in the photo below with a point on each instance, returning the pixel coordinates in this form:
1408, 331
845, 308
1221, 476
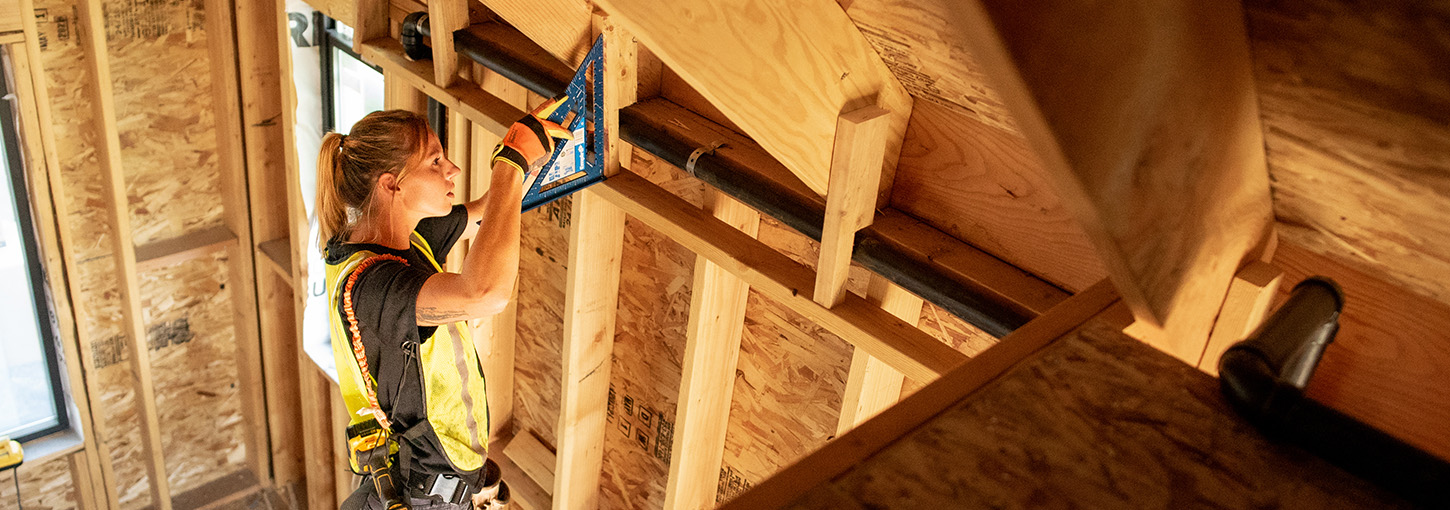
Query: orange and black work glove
529, 141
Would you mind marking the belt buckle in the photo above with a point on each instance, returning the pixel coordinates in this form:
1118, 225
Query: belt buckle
450, 488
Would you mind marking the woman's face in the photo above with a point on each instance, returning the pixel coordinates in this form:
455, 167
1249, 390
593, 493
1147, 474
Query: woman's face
428, 188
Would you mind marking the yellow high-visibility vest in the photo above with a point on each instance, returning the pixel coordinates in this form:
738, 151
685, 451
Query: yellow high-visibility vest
453, 387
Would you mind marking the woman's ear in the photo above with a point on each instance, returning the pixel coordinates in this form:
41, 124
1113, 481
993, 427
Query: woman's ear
387, 184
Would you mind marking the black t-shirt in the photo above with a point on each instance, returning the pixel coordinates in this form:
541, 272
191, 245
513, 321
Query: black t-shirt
385, 299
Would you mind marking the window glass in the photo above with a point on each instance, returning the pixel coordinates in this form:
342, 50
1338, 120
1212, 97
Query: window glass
357, 89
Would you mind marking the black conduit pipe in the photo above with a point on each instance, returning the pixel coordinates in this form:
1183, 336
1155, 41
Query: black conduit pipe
1263, 378
873, 251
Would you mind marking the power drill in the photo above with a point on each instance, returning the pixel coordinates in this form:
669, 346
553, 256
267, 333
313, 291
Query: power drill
371, 452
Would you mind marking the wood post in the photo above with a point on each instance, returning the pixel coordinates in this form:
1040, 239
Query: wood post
113, 178
712, 347
1249, 296
871, 385
444, 17
851, 199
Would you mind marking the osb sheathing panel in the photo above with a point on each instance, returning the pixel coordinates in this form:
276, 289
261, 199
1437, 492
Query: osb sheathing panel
1095, 420
790, 376
43, 485
164, 115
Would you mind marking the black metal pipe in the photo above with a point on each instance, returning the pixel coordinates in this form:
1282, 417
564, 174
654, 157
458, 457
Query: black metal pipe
1263, 378
873, 251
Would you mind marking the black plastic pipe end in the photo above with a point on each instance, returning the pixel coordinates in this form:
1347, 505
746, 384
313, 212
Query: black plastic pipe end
411, 34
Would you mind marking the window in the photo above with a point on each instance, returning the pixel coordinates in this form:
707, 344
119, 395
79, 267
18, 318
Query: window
351, 88
31, 400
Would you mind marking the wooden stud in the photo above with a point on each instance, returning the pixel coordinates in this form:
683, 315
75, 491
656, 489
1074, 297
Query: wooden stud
596, 239
444, 17
872, 386
712, 347
317, 416
873, 435
48, 192
816, 62
236, 211
1249, 296
399, 94
344, 482
81, 483
459, 149
1105, 97
259, 44
914, 353
113, 179
851, 200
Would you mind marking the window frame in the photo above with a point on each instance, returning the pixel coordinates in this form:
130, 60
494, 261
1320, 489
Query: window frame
25, 219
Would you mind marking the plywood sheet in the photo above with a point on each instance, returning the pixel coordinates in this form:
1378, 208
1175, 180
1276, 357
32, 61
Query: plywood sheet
1356, 111
42, 485
1095, 420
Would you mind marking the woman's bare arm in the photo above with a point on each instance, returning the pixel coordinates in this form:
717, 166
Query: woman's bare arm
485, 284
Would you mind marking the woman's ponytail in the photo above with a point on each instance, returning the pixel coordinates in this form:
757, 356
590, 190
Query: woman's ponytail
331, 209
349, 165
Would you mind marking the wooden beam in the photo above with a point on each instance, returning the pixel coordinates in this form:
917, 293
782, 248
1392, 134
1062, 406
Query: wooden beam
259, 44
873, 435
343, 481
561, 27
596, 237
712, 347
783, 74
1146, 121
222, 53
1249, 296
317, 416
399, 94
118, 216
851, 201
50, 205
873, 386
444, 17
464, 96
167, 252
526, 493
914, 353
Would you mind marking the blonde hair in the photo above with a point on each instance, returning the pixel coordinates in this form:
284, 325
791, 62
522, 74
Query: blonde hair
348, 166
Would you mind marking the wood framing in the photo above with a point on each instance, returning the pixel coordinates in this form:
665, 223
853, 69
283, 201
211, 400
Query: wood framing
118, 215
1245, 307
463, 96
872, 386
236, 213
873, 435
317, 437
914, 353
855, 175
1146, 121
89, 473
259, 44
445, 17
596, 237
811, 56
186, 247
712, 348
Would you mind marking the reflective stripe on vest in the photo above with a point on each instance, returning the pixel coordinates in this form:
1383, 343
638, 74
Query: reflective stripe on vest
453, 386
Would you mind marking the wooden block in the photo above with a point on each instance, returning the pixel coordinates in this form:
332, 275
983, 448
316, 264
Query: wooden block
445, 17
877, 433
561, 27
317, 440
167, 252
93, 42
596, 237
851, 201
533, 459
527, 495
914, 353
873, 386
1243, 310
1103, 94
712, 348
809, 55
343, 481
370, 22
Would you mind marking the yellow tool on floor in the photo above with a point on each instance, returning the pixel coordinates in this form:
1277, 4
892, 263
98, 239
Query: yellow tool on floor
10, 453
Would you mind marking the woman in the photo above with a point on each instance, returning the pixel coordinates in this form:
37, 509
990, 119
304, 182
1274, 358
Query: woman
407, 368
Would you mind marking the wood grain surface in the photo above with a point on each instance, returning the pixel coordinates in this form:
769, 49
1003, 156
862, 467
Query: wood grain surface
1096, 420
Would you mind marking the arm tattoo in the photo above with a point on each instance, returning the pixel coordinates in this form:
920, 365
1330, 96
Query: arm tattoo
430, 315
